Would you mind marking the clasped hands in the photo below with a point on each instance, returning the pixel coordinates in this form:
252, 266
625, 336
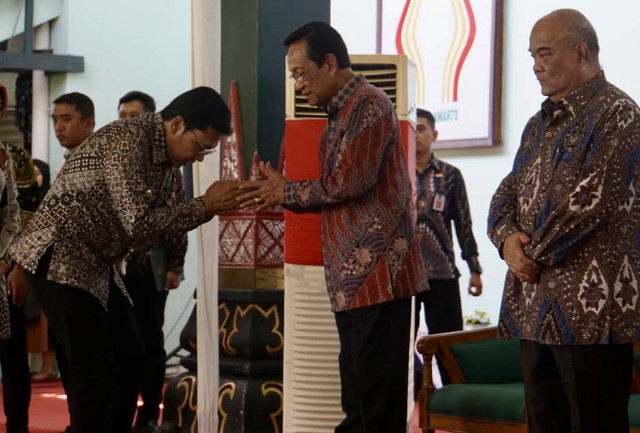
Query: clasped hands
249, 196
522, 267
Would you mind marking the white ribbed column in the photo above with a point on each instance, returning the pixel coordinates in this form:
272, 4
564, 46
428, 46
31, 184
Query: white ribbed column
412, 364
311, 347
205, 23
40, 101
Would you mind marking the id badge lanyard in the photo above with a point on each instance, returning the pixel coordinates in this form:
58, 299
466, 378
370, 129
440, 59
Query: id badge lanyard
439, 197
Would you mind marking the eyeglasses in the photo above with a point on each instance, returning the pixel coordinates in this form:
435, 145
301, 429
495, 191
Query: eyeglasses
203, 150
299, 77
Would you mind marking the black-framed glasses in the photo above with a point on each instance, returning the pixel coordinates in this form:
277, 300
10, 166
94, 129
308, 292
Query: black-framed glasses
299, 77
203, 150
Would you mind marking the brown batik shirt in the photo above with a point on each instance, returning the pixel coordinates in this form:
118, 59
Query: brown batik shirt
9, 228
574, 189
174, 243
115, 191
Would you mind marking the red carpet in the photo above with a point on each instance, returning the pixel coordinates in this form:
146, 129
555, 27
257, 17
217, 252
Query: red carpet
48, 412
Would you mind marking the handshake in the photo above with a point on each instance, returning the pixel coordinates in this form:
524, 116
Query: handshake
250, 196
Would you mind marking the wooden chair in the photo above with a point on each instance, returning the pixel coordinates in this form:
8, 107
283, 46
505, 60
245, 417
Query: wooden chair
486, 394
485, 373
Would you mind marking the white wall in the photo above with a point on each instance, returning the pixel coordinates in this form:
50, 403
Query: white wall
128, 45
615, 21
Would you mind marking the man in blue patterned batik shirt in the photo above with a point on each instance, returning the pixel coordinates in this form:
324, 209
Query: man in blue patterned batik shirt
566, 220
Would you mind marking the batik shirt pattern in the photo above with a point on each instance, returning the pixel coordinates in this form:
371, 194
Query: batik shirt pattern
10, 226
364, 195
175, 243
574, 190
441, 200
112, 193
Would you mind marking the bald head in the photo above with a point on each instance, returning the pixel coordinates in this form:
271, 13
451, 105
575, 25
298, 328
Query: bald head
577, 29
564, 48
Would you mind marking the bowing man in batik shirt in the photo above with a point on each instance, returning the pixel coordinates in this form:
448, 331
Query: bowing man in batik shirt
148, 282
372, 261
114, 192
567, 221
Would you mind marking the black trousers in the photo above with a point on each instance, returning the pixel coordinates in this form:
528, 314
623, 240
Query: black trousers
577, 389
374, 360
442, 312
16, 378
148, 310
61, 359
103, 351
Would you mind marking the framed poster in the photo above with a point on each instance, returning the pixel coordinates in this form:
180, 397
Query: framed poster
457, 48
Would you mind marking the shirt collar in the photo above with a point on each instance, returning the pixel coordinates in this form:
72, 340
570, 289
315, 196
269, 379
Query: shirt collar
337, 101
159, 145
433, 164
69, 152
574, 102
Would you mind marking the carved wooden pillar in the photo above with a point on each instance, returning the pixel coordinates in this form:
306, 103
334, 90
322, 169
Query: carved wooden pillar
250, 298
251, 281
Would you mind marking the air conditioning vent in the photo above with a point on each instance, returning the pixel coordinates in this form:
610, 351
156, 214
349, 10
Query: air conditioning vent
383, 76
380, 70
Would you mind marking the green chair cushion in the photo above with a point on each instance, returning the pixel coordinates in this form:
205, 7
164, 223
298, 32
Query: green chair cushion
495, 402
489, 361
636, 359
634, 411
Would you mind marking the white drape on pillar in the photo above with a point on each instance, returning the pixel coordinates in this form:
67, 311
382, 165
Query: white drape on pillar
206, 47
40, 101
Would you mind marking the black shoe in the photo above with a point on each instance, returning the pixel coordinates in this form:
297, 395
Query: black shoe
148, 427
169, 427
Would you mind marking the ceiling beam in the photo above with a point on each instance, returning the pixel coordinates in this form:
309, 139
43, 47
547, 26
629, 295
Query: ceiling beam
40, 61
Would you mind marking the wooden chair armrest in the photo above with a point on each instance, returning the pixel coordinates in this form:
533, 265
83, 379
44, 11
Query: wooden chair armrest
438, 345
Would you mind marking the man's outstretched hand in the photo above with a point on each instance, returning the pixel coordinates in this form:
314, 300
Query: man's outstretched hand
222, 196
260, 194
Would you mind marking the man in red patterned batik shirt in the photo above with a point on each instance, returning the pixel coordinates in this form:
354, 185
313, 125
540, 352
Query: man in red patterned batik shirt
372, 263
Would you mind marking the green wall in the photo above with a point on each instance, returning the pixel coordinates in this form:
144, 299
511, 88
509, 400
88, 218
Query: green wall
253, 55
